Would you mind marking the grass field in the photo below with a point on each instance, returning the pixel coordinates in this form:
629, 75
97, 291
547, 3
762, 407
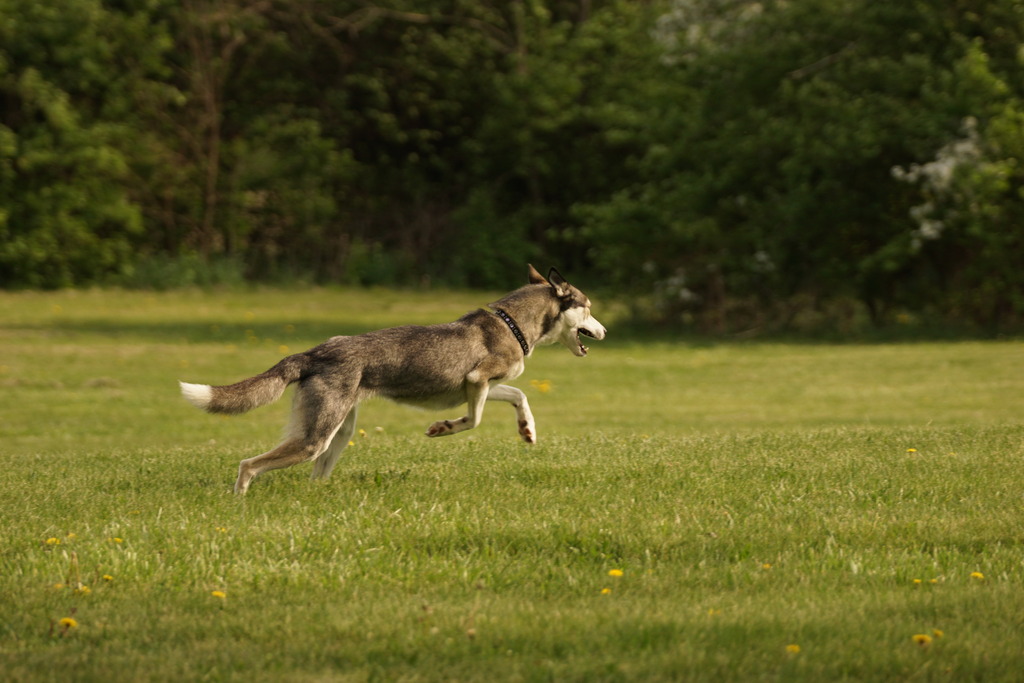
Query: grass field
697, 512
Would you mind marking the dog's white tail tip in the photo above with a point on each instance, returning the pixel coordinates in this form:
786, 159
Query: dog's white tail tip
198, 395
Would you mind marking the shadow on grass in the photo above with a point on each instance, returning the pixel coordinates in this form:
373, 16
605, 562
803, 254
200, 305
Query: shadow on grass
283, 331
640, 332
195, 332
620, 333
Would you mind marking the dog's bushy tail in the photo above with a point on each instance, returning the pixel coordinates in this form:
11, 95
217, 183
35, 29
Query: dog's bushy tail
250, 393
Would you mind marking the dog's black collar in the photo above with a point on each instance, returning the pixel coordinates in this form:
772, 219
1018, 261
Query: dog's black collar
516, 332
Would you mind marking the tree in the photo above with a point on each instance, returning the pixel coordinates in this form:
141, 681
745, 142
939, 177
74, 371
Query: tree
768, 181
65, 217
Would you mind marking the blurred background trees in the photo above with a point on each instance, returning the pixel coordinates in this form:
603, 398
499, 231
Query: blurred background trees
733, 165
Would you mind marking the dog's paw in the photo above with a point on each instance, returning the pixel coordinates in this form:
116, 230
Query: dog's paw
442, 428
527, 431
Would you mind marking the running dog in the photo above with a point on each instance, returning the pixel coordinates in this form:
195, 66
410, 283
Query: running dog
436, 366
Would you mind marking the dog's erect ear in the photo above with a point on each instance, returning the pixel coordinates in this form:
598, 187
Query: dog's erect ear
558, 282
536, 278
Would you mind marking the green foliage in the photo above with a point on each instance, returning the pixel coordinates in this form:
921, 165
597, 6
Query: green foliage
736, 165
66, 218
320, 140
289, 179
488, 247
968, 220
771, 178
164, 272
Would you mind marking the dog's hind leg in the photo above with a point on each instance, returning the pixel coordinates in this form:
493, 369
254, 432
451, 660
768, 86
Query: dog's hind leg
323, 465
527, 428
316, 418
291, 452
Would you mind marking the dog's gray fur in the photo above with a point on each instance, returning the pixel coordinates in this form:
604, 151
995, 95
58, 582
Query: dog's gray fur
437, 366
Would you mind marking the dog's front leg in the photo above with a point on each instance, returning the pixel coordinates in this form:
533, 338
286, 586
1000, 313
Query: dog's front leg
524, 418
476, 395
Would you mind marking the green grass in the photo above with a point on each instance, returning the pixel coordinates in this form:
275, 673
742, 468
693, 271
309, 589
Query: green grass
754, 496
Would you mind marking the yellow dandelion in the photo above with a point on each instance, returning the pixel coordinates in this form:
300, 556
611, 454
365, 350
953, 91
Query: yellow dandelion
793, 649
351, 443
222, 529
108, 578
766, 566
362, 432
70, 535
922, 639
933, 581
938, 633
978, 575
53, 541
59, 586
615, 572
219, 594
917, 582
68, 623
83, 590
116, 539
911, 450
542, 385
606, 591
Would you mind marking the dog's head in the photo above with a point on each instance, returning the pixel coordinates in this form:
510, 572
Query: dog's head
573, 319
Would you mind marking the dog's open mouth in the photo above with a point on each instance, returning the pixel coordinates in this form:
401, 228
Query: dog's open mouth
583, 333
